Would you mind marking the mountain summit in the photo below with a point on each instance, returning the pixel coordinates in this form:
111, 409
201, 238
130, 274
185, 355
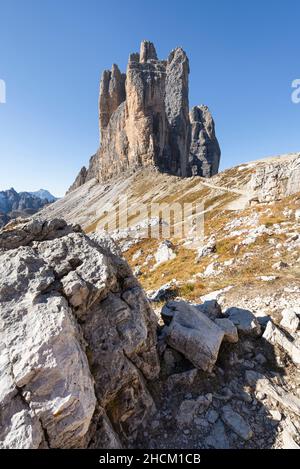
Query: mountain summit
144, 120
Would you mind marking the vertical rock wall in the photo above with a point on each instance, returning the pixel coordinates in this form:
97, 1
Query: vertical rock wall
144, 120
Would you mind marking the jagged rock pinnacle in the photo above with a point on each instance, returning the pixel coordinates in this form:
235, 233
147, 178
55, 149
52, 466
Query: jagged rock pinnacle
144, 120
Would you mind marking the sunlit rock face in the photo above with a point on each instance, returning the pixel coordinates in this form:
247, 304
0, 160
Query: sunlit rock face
144, 120
77, 340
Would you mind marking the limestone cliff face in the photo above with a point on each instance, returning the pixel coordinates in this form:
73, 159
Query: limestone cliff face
144, 120
204, 150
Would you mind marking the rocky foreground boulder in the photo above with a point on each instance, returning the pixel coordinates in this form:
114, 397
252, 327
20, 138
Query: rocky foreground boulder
78, 340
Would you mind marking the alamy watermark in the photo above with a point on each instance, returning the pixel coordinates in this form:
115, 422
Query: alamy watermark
295, 96
159, 220
2, 92
154, 220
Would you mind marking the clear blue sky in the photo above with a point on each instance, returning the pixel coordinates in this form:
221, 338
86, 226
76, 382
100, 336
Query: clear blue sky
243, 57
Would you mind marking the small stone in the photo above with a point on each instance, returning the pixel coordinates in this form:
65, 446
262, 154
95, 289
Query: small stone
137, 254
276, 415
155, 424
201, 422
190, 409
137, 272
212, 416
260, 395
245, 396
249, 364
236, 423
217, 438
279, 265
260, 358
230, 330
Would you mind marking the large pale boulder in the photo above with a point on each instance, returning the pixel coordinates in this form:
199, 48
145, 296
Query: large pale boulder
165, 252
78, 341
278, 179
194, 335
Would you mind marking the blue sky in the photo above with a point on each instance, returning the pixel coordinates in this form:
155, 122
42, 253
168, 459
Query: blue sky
243, 59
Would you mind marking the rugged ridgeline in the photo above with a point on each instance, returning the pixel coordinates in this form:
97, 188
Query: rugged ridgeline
144, 120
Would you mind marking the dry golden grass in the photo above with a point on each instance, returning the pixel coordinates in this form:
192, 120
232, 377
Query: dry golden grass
182, 267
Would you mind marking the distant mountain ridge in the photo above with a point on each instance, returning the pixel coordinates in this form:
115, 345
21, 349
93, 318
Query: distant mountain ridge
44, 195
15, 204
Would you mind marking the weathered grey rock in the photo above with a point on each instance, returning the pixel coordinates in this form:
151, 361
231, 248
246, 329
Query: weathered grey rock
236, 423
112, 94
276, 180
244, 320
78, 341
194, 335
204, 150
260, 383
175, 159
144, 120
165, 292
212, 416
26, 231
165, 252
190, 408
211, 309
288, 441
275, 336
230, 331
290, 320
217, 438
207, 249
79, 181
178, 380
276, 415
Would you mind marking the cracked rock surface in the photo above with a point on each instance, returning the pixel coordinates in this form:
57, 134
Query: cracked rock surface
78, 340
